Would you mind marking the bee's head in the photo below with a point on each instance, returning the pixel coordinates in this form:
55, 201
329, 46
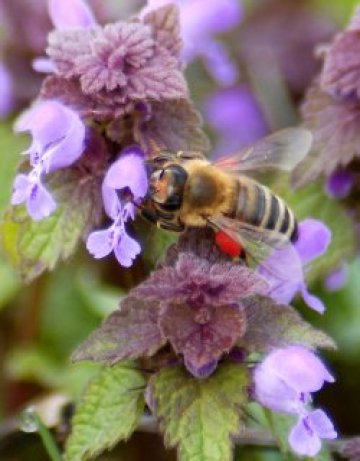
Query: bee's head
167, 184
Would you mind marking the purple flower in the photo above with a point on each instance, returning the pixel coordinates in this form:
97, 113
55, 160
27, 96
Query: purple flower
111, 68
6, 91
337, 278
201, 305
126, 173
58, 135
305, 437
28, 189
236, 117
313, 239
284, 381
58, 140
66, 14
200, 20
339, 184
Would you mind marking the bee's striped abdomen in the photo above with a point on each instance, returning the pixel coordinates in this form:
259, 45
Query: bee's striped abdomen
257, 205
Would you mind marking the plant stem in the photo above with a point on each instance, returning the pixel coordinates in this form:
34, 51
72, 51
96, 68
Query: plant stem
47, 440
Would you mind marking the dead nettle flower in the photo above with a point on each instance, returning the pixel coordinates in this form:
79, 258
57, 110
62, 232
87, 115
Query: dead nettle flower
284, 381
191, 301
201, 21
58, 140
332, 106
114, 66
313, 239
125, 174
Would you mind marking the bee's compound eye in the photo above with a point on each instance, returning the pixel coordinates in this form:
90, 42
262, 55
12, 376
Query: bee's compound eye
161, 174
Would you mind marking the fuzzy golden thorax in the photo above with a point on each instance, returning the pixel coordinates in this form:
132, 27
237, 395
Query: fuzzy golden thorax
208, 191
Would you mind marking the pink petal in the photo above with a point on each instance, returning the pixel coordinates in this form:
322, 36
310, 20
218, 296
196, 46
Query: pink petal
66, 14
303, 440
100, 243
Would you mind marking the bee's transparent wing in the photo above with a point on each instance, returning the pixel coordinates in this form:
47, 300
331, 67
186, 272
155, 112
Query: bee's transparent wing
283, 150
270, 250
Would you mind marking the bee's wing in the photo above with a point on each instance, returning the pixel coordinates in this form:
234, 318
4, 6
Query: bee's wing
283, 150
270, 250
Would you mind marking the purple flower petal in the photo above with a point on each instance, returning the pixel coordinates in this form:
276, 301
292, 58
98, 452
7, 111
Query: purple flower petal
58, 134
337, 278
43, 65
312, 301
111, 201
126, 250
320, 422
298, 367
219, 63
40, 203
6, 92
204, 371
303, 440
100, 243
305, 436
236, 116
129, 171
339, 184
274, 393
20, 189
314, 238
67, 14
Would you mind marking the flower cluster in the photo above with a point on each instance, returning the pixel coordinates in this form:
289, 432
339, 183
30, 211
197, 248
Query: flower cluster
122, 81
210, 311
191, 302
331, 109
313, 239
58, 141
284, 381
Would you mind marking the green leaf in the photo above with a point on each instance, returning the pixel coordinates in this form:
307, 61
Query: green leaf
312, 202
35, 246
271, 325
10, 148
108, 412
199, 416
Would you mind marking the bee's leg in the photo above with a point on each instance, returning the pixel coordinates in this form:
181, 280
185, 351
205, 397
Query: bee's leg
149, 215
171, 226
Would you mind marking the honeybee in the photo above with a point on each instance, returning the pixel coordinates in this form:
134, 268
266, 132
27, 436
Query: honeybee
187, 190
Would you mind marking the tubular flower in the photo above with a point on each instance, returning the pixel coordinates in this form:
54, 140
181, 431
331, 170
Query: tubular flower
128, 172
58, 141
284, 381
200, 21
313, 239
